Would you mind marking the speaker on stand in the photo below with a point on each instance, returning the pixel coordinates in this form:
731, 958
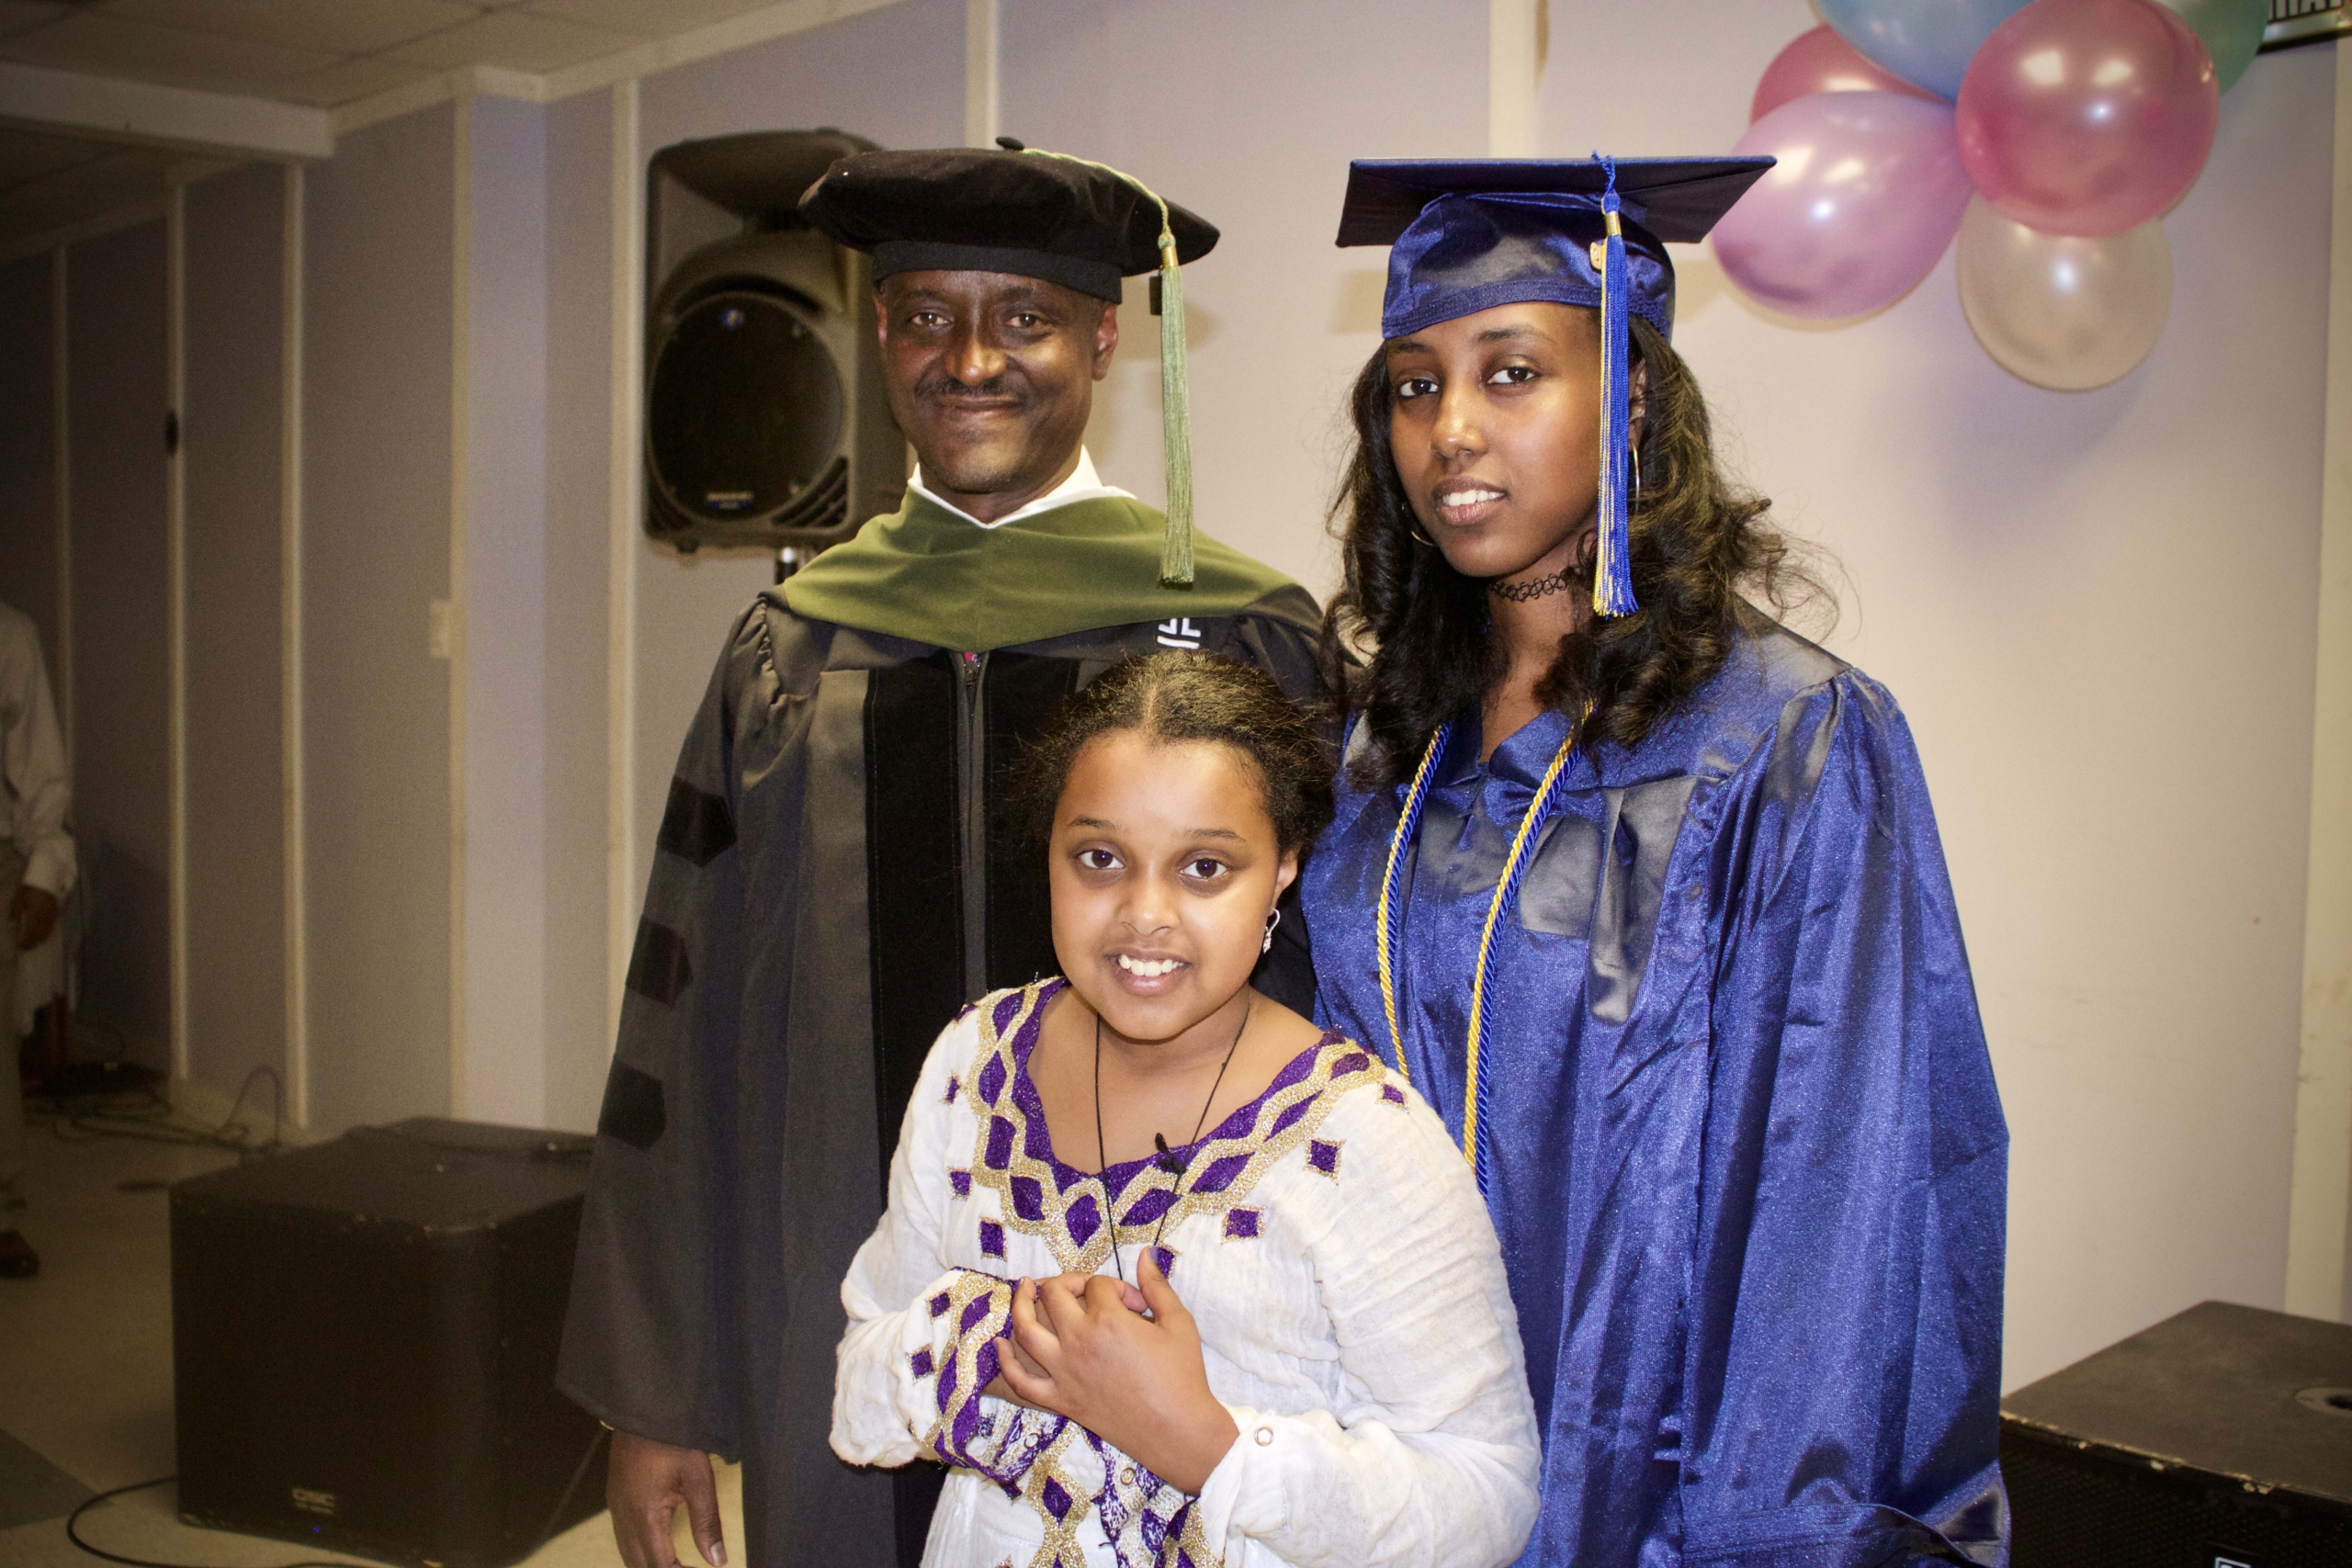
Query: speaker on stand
766, 420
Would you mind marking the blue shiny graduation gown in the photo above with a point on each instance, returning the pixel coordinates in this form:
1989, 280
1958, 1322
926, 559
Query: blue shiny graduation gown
1749, 1164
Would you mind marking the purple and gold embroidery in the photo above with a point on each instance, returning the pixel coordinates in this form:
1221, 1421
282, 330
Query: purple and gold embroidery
1080, 1490
1040, 1196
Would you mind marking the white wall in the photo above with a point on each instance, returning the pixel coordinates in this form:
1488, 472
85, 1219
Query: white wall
895, 75
2123, 797
2097, 610
231, 458
1249, 115
502, 1068
574, 729
120, 654
378, 420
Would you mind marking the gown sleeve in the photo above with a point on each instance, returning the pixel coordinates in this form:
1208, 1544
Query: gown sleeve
1432, 1457
1283, 649
1853, 1192
651, 1335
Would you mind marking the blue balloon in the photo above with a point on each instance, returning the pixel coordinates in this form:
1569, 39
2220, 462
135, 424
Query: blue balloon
1927, 42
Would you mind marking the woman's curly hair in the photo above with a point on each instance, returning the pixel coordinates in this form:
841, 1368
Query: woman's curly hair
1405, 641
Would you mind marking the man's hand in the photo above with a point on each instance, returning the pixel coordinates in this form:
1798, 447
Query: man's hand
34, 914
644, 1484
1138, 1382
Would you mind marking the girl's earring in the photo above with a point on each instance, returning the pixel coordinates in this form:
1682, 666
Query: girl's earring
1634, 501
1273, 919
1419, 537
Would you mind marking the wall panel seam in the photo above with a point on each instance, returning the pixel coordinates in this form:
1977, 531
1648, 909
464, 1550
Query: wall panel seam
620, 682
461, 246
61, 454
2319, 1207
1513, 27
176, 619
983, 38
293, 825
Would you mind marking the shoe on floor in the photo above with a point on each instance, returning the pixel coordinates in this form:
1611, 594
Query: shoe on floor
17, 1259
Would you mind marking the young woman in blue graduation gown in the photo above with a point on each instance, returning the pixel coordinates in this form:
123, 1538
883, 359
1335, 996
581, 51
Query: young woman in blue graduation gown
1643, 893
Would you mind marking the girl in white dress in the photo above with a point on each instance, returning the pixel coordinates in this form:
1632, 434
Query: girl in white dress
1169, 1276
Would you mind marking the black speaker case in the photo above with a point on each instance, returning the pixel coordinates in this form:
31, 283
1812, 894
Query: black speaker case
2185, 1447
721, 214
364, 1343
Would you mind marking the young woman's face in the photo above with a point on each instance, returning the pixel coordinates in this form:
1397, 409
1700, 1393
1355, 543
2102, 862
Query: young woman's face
1495, 424
1164, 868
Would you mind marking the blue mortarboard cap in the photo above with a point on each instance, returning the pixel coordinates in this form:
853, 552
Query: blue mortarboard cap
1469, 234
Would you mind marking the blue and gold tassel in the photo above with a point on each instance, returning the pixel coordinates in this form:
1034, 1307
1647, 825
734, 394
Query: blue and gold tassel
1613, 575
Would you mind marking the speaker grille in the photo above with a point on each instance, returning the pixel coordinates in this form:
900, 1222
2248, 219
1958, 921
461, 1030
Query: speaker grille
746, 415
2084, 1508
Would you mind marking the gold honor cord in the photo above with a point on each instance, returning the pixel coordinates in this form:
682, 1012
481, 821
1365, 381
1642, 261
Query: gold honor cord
1175, 398
1408, 823
1386, 924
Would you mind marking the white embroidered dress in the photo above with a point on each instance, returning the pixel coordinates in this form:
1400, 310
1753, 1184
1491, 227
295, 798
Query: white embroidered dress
1353, 1314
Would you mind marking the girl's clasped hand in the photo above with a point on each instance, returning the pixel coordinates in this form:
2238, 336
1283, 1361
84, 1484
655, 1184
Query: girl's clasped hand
1123, 1362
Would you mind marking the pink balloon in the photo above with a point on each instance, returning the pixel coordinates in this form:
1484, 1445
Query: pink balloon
1868, 192
2089, 117
1821, 61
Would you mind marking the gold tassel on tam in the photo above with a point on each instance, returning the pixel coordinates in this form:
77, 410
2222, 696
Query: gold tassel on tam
1175, 396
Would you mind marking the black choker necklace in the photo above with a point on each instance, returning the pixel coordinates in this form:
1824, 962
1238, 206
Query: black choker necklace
1519, 593
1168, 1159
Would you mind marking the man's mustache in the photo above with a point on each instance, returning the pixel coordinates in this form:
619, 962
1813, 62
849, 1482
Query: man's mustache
946, 388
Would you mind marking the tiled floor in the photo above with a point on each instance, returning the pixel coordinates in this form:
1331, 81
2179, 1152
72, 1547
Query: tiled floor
85, 1365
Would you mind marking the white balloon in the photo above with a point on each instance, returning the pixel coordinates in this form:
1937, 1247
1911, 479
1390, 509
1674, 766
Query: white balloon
2065, 313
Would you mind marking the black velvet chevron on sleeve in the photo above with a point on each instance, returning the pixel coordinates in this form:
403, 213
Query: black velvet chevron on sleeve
635, 1109
696, 825
659, 969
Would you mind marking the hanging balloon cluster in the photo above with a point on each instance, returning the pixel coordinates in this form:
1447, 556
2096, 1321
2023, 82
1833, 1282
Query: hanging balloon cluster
2052, 137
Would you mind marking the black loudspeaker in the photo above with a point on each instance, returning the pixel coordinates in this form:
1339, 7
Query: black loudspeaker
363, 1341
2219, 1439
766, 419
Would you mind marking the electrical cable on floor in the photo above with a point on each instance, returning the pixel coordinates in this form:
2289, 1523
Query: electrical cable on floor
73, 1534
148, 1120
74, 1520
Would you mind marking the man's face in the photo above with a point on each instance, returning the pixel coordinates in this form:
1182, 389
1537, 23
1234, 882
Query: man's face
991, 377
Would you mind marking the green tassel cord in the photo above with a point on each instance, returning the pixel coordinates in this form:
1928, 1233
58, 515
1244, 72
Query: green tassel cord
1175, 394
1175, 415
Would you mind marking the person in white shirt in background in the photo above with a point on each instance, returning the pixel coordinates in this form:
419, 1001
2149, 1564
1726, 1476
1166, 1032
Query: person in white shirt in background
36, 872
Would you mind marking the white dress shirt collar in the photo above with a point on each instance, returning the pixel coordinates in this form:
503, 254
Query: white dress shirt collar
1083, 484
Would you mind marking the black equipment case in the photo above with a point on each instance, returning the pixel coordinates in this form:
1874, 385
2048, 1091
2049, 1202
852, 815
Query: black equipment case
2219, 1439
364, 1340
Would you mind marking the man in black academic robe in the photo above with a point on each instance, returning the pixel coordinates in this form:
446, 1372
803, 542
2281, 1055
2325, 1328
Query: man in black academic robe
834, 877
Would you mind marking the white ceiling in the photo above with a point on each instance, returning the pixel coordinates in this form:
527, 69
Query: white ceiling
325, 54
320, 54
51, 182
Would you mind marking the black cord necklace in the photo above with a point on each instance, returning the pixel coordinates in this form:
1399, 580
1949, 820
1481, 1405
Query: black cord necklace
1520, 593
1168, 1160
